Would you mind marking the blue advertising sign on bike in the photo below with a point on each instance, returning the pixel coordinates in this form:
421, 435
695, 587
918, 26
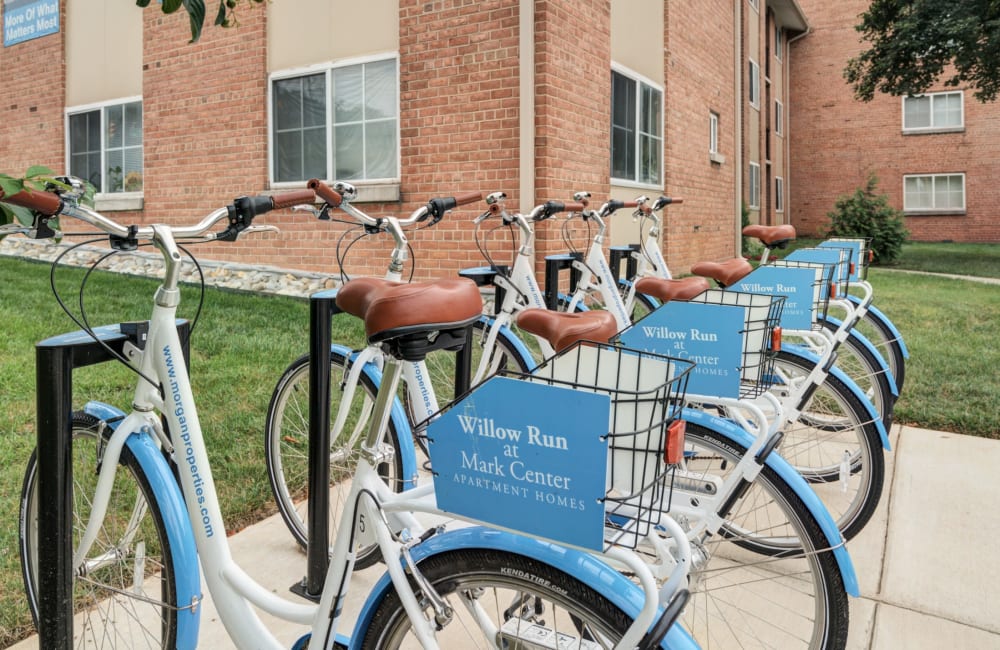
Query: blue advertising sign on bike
710, 335
800, 286
540, 468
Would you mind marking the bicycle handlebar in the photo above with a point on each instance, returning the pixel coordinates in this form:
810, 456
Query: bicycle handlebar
435, 208
240, 214
549, 208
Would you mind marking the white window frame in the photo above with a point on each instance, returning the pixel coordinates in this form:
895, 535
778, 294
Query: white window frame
779, 117
755, 4
779, 194
935, 210
753, 91
778, 33
377, 189
640, 81
753, 186
713, 132
107, 200
932, 128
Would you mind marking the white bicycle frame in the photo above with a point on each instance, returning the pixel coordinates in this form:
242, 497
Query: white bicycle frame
232, 589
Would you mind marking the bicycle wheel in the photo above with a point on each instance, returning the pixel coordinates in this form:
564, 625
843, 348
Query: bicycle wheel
642, 306
286, 446
834, 444
859, 363
875, 328
768, 578
124, 594
504, 600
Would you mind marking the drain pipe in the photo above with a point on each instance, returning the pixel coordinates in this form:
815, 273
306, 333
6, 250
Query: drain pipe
788, 134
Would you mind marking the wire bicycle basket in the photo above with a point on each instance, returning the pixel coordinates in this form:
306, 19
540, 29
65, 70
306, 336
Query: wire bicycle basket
819, 288
590, 482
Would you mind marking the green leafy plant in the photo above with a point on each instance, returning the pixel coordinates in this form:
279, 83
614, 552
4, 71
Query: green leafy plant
866, 213
752, 248
225, 17
38, 179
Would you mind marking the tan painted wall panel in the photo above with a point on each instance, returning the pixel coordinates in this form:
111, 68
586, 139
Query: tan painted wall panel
103, 51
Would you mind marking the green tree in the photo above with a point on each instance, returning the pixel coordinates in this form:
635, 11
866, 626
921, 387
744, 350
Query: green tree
224, 17
911, 44
866, 213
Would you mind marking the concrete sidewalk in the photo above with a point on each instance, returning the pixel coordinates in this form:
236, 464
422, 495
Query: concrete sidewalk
927, 563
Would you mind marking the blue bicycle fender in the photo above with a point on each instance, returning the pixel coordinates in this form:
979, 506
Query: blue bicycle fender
399, 419
565, 298
795, 481
866, 342
512, 340
187, 577
584, 567
885, 321
851, 385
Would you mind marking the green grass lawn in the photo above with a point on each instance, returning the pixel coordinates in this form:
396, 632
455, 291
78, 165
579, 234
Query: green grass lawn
243, 342
980, 260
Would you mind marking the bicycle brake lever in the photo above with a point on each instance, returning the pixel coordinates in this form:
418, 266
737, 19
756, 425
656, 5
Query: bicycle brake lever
13, 229
257, 229
307, 208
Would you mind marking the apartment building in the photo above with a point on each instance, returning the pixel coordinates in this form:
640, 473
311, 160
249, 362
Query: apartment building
411, 100
936, 155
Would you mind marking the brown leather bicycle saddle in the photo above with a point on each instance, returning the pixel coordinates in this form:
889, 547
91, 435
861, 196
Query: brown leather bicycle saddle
391, 309
771, 236
725, 273
666, 290
563, 330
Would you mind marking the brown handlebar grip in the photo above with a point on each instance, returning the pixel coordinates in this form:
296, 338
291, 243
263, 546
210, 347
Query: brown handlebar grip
630, 204
46, 203
467, 197
676, 199
325, 192
295, 197
574, 206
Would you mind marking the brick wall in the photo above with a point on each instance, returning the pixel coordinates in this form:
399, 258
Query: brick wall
836, 140
572, 106
699, 71
32, 101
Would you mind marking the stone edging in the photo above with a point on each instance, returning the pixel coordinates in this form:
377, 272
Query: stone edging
226, 275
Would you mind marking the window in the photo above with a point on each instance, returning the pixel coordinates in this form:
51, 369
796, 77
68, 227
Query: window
754, 186
339, 123
636, 130
755, 4
779, 117
105, 145
934, 193
777, 41
934, 112
754, 84
779, 194
713, 133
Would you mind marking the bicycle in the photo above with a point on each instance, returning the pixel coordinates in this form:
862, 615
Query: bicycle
736, 462
167, 523
822, 412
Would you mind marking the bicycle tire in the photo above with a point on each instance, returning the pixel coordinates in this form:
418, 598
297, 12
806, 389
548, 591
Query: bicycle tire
286, 447
515, 588
860, 364
833, 429
106, 610
642, 306
794, 597
875, 328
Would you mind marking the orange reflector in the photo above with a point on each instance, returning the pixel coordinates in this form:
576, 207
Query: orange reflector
852, 268
871, 255
775, 339
833, 290
674, 451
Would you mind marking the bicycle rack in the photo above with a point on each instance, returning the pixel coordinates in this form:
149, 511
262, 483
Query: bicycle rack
554, 264
55, 360
322, 308
618, 253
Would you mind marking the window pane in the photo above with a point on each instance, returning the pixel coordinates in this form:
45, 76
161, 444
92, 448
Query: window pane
380, 149
313, 153
132, 167
949, 193
113, 118
622, 154
133, 124
649, 171
948, 110
650, 111
917, 193
288, 156
348, 94
314, 101
622, 101
350, 155
81, 128
917, 112
380, 90
288, 104
116, 176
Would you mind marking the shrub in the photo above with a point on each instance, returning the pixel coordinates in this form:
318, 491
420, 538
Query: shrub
868, 214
